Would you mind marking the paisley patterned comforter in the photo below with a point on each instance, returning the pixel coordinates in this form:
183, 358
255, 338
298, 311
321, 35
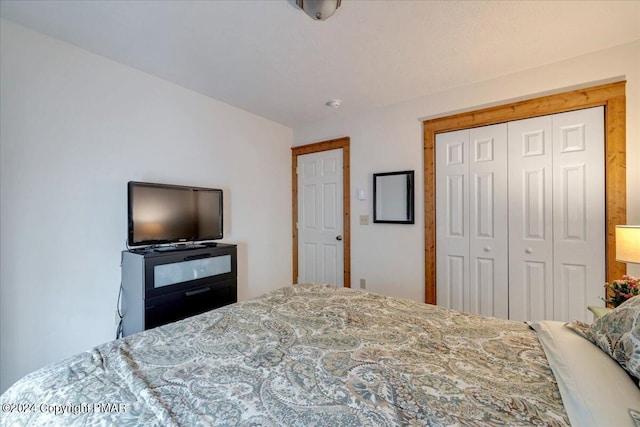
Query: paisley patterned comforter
306, 355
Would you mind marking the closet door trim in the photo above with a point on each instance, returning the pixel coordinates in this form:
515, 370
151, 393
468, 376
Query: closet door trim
611, 96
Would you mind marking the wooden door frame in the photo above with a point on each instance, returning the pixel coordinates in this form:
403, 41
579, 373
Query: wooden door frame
611, 96
339, 143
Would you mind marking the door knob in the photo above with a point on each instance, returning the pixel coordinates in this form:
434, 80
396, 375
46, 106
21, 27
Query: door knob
487, 248
338, 237
529, 250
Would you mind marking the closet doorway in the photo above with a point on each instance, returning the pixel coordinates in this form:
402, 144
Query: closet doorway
610, 96
520, 217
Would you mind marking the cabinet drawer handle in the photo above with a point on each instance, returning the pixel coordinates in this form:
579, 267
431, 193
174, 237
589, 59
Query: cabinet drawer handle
199, 256
197, 291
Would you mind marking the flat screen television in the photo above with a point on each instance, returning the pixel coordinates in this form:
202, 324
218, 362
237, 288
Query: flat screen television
169, 214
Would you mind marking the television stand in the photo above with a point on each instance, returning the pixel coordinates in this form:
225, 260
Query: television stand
160, 287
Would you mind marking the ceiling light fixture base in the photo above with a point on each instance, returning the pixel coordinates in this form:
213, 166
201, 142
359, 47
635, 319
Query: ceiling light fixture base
319, 10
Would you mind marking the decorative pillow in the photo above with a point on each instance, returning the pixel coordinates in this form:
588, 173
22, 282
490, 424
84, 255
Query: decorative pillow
579, 327
617, 333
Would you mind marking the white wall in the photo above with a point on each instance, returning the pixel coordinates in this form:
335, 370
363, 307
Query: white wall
75, 127
391, 257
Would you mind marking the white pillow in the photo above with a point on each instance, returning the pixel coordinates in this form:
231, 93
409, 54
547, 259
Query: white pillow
595, 390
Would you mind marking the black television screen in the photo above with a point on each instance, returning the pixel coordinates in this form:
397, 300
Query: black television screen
162, 213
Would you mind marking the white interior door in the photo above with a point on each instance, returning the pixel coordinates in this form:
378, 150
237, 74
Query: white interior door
579, 212
471, 200
320, 211
556, 215
452, 220
530, 219
488, 216
520, 217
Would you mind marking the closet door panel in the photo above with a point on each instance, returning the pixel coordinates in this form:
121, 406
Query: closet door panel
530, 219
579, 212
452, 219
536, 293
488, 233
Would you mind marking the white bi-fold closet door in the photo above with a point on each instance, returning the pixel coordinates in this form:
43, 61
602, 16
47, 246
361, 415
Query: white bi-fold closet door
520, 221
472, 262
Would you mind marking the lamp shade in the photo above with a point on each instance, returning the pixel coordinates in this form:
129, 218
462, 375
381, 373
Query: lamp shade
628, 243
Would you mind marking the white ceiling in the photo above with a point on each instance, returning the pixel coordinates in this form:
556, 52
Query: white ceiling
269, 58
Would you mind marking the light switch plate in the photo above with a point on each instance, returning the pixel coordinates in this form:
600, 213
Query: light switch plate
364, 219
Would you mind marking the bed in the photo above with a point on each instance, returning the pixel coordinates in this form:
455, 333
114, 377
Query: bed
316, 355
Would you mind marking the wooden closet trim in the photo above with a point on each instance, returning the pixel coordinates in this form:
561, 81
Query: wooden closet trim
611, 96
332, 144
